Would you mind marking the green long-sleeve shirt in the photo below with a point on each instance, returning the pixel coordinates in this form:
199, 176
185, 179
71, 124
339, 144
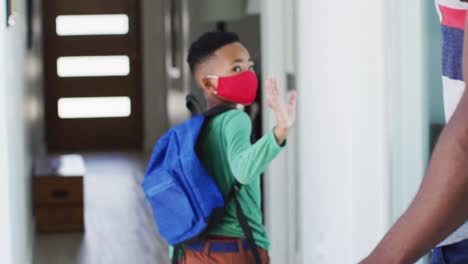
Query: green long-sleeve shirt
226, 152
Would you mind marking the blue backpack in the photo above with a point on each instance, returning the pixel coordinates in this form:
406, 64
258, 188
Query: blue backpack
185, 200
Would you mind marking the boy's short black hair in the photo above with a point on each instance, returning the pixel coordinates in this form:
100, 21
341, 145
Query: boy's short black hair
207, 44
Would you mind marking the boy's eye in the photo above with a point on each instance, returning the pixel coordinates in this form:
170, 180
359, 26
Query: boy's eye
237, 69
252, 68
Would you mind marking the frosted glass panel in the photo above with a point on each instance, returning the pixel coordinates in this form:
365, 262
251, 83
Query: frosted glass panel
93, 66
80, 25
94, 107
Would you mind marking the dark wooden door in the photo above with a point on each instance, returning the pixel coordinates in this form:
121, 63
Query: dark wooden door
92, 74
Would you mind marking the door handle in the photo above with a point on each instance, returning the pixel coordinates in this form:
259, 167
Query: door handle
60, 194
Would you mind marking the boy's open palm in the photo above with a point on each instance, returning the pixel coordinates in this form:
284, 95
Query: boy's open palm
285, 113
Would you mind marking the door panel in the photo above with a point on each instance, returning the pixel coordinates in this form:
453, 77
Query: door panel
93, 46
61, 7
72, 71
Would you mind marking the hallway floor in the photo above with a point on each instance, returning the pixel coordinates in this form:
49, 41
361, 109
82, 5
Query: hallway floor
119, 225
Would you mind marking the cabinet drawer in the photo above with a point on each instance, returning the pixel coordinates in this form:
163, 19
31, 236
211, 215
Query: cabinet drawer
60, 219
59, 191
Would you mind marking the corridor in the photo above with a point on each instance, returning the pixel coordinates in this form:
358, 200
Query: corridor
119, 229
107, 79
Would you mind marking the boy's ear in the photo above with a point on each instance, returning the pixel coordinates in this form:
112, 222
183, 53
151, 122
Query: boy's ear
208, 84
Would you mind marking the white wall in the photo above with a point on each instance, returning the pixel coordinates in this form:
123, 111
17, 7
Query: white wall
21, 127
362, 122
370, 167
5, 237
325, 83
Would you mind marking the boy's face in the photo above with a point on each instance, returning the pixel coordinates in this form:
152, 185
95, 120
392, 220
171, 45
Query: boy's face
229, 60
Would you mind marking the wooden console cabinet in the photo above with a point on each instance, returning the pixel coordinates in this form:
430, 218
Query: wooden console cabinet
58, 197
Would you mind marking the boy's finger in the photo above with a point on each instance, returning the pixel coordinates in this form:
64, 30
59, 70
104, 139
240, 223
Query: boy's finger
269, 79
268, 83
272, 87
293, 98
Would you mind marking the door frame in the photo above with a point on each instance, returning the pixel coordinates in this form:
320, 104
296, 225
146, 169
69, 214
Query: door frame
278, 44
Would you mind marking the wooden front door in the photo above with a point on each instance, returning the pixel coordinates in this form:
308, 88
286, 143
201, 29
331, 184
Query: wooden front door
92, 74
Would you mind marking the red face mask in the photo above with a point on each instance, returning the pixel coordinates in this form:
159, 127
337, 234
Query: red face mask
240, 88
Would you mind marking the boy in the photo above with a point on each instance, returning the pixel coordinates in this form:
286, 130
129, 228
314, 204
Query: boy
223, 70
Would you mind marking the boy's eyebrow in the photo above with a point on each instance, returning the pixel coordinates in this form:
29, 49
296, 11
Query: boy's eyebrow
241, 60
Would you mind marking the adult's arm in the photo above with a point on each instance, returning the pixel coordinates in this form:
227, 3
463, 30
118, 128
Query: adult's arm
441, 204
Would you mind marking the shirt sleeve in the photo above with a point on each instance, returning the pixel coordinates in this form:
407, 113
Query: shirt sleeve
247, 161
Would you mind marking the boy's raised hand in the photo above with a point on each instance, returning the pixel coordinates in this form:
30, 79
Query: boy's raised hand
285, 113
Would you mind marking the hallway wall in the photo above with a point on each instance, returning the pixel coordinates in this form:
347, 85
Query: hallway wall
5, 250
327, 74
362, 120
21, 130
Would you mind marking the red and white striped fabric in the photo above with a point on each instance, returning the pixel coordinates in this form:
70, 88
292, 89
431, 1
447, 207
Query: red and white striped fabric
452, 16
